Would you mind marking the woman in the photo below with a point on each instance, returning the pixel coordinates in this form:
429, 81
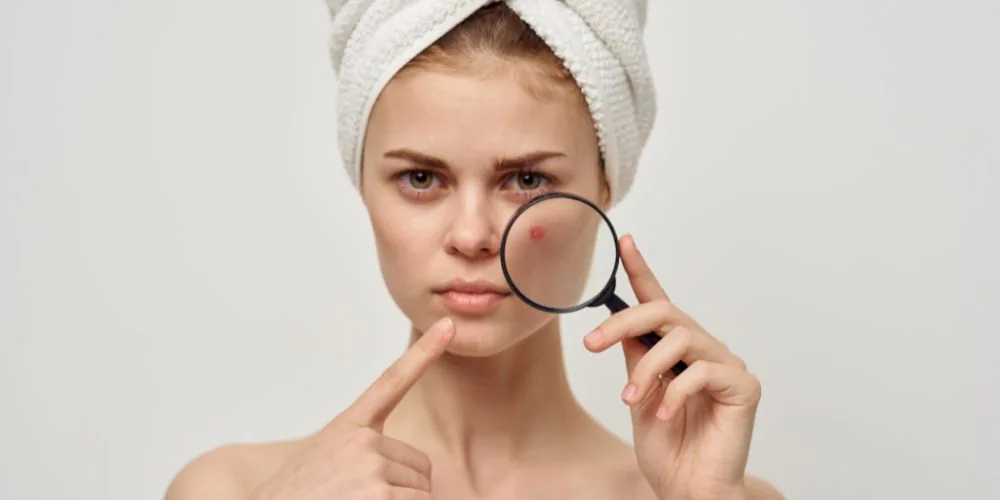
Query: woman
479, 406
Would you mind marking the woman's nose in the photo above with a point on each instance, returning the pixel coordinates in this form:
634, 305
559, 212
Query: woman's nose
474, 232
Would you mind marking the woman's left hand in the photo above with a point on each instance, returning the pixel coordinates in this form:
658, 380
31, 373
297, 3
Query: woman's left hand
691, 432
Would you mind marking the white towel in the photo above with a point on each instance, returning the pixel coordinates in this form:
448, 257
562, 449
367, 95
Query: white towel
599, 41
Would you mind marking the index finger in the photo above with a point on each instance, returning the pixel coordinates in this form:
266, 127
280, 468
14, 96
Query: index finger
375, 404
644, 283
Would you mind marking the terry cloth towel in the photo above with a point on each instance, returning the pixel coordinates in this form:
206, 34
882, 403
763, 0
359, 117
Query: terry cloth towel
599, 41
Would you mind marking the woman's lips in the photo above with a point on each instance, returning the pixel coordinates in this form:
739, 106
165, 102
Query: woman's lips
472, 302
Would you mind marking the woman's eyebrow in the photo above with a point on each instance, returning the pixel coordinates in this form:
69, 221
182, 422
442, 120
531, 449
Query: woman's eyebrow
417, 158
519, 162
525, 161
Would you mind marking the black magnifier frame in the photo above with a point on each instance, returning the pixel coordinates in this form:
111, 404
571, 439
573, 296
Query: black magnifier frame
606, 297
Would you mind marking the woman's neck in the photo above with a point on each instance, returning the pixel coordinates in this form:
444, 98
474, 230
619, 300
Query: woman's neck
496, 413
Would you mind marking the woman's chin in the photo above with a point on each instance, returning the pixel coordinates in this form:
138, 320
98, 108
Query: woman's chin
484, 335
479, 338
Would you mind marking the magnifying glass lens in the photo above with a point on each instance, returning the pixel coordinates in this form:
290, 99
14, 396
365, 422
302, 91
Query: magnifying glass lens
559, 253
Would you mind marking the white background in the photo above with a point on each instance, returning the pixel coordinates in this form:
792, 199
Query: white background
183, 263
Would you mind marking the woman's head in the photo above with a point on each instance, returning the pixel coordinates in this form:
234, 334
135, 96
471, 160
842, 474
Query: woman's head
477, 124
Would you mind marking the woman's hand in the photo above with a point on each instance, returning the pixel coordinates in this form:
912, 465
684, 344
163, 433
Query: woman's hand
691, 432
350, 458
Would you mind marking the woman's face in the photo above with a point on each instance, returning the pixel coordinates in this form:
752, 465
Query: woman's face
447, 159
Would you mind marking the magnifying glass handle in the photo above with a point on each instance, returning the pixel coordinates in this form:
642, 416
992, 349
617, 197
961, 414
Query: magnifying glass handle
616, 304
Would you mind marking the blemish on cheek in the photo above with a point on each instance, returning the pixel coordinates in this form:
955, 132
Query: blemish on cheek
536, 233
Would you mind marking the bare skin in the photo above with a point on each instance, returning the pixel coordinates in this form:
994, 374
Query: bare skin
568, 455
580, 460
480, 405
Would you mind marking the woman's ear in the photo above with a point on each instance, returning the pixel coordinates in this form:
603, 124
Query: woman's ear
605, 196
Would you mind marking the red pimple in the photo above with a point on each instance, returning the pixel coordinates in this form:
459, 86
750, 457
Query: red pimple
536, 233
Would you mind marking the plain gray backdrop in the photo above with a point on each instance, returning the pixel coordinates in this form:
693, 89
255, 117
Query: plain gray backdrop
184, 264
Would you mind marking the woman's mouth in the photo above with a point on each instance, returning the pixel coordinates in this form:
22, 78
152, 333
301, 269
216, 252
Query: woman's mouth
472, 297
472, 302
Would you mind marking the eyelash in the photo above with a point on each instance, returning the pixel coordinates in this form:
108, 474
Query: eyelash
401, 178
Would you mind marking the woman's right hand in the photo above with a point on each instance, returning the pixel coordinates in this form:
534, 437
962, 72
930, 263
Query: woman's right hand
350, 458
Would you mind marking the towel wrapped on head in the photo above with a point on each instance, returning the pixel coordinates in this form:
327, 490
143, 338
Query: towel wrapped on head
599, 41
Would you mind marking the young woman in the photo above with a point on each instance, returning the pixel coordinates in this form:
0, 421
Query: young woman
479, 406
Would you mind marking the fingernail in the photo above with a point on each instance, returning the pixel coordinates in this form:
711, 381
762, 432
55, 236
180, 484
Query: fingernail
593, 338
663, 414
628, 393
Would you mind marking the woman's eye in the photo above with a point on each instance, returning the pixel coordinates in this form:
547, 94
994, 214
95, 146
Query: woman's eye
420, 179
528, 180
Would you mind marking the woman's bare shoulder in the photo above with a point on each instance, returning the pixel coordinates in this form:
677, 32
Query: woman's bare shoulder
230, 472
631, 480
756, 488
759, 489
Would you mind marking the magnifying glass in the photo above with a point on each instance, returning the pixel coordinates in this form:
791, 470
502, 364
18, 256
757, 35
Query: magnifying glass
545, 246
